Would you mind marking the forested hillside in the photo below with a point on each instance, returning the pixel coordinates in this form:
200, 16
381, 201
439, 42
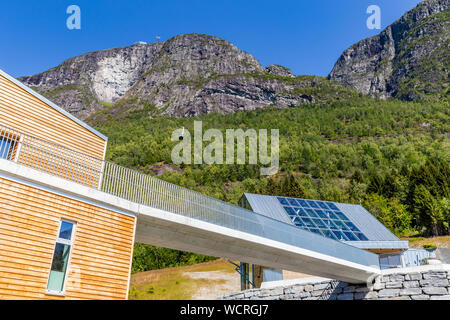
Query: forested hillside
393, 156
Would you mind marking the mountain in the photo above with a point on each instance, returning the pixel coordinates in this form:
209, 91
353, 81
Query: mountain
407, 60
187, 75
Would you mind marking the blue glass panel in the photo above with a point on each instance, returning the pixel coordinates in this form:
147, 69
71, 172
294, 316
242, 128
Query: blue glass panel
319, 223
66, 230
310, 212
292, 202
341, 215
322, 205
283, 201
312, 204
298, 222
4, 149
350, 236
329, 234
341, 225
323, 232
340, 236
361, 236
289, 211
308, 223
303, 203
300, 212
321, 214
332, 206
331, 225
351, 226
332, 215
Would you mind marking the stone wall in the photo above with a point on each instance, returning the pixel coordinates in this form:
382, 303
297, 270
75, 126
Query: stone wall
415, 283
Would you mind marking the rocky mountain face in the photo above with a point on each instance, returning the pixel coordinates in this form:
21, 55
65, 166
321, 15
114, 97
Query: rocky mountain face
187, 75
408, 60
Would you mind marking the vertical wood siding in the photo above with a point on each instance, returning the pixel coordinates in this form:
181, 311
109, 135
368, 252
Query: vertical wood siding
22, 111
29, 223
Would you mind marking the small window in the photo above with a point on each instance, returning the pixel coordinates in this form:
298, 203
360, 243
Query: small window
61, 256
6, 147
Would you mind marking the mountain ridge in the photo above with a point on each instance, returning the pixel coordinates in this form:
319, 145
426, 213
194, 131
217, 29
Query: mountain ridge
194, 74
408, 60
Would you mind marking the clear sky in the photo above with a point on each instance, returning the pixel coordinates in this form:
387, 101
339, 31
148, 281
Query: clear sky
305, 35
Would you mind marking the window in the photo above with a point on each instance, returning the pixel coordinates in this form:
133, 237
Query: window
6, 148
61, 255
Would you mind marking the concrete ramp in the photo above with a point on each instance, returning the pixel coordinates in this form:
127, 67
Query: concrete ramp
274, 244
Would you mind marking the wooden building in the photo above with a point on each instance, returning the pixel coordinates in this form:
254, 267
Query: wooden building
56, 243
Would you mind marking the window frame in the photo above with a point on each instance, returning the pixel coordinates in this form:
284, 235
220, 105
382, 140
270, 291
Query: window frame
70, 243
13, 146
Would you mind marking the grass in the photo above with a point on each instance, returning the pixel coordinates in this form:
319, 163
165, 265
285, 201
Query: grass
176, 284
419, 242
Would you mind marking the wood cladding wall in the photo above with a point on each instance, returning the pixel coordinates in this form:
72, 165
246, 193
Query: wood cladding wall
29, 223
23, 111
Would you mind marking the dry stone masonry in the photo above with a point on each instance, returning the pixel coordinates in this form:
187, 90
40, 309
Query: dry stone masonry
417, 283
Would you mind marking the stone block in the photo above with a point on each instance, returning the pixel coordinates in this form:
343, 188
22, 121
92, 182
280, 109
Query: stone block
379, 285
410, 291
362, 289
345, 296
446, 297
411, 284
396, 278
302, 295
384, 279
321, 286
394, 284
421, 297
435, 290
317, 293
400, 298
435, 275
309, 288
434, 283
413, 276
387, 293
371, 295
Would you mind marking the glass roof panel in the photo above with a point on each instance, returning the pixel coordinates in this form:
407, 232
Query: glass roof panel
319, 223
308, 223
321, 214
300, 212
290, 211
332, 215
340, 235
303, 203
350, 236
351, 226
322, 205
312, 204
332, 206
361, 236
322, 218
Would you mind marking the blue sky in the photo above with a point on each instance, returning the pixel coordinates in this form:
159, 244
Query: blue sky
306, 36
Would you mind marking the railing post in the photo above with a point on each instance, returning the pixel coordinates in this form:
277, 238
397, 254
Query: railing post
19, 147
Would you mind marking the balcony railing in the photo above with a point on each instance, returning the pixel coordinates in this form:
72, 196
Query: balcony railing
140, 188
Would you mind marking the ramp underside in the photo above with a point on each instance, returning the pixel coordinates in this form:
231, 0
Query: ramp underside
243, 247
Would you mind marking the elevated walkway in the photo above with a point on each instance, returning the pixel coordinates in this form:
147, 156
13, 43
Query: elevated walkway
178, 218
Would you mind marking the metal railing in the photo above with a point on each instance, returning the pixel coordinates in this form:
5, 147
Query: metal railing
140, 188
